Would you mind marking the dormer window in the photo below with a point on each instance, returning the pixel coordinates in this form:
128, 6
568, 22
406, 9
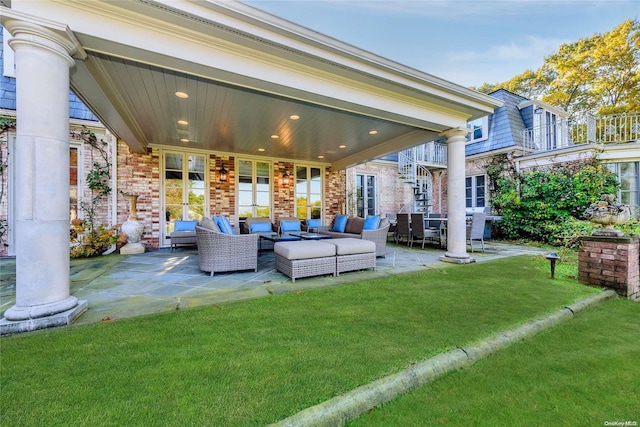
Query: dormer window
479, 129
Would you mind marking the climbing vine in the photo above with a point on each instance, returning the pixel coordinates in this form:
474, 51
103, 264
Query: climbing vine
547, 204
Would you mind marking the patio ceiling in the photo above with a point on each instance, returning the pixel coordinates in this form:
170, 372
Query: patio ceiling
246, 73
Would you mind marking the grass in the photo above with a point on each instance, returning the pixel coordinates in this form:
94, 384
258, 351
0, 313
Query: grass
580, 373
255, 362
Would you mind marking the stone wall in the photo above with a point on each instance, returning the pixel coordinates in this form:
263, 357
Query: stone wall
611, 262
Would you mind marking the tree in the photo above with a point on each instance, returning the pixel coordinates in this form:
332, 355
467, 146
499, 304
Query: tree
598, 74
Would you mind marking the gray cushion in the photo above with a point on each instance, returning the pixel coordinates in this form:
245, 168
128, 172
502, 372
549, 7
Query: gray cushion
354, 225
351, 246
209, 224
304, 249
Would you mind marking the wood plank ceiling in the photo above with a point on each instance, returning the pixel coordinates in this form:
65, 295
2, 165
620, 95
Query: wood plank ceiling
226, 118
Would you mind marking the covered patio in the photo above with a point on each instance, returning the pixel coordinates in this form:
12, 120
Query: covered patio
118, 287
218, 78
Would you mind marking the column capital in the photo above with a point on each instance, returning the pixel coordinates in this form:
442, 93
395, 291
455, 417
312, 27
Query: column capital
455, 133
31, 35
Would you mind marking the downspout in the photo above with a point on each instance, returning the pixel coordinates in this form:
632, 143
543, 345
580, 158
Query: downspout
114, 183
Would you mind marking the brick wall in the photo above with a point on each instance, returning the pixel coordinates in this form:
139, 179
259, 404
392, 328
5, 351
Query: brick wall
611, 262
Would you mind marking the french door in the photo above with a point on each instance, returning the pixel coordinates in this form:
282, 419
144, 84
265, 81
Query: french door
366, 195
184, 188
254, 188
308, 192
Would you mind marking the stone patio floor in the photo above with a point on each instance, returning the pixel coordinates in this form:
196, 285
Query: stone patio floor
119, 286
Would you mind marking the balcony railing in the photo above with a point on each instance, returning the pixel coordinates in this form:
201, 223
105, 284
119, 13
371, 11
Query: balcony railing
431, 153
585, 129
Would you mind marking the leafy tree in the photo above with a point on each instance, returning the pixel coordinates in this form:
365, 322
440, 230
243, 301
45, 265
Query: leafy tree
599, 74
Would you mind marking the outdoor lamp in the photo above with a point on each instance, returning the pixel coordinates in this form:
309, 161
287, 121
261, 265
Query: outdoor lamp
285, 178
223, 174
553, 257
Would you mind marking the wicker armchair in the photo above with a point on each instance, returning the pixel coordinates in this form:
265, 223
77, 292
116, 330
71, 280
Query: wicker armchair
226, 252
379, 237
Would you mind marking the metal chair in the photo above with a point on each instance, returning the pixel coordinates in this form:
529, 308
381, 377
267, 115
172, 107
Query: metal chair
403, 229
419, 232
475, 231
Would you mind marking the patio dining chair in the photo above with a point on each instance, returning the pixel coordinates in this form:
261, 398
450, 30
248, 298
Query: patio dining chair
420, 232
475, 231
403, 229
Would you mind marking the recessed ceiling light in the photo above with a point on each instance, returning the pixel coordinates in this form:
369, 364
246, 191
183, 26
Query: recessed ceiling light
321, 157
182, 95
342, 146
183, 122
275, 136
184, 140
373, 132
260, 149
294, 117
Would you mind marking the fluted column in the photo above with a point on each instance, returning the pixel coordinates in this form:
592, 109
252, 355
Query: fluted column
41, 162
456, 205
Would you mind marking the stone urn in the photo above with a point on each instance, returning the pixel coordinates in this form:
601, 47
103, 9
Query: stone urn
133, 229
607, 213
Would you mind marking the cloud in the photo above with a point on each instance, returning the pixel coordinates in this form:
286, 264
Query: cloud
527, 48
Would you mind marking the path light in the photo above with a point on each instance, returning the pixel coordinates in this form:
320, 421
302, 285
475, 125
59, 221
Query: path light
553, 257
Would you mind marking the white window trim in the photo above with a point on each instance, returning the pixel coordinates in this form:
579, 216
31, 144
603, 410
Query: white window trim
8, 55
484, 128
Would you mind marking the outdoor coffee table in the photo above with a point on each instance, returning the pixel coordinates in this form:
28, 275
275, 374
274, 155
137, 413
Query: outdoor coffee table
309, 236
275, 237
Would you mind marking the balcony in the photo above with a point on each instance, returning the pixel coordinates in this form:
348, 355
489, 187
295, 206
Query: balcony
585, 129
431, 154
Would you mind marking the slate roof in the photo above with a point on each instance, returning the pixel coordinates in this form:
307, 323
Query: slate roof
77, 110
505, 125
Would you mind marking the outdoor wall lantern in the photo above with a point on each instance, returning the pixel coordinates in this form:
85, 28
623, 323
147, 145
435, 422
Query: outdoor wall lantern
223, 174
285, 178
553, 257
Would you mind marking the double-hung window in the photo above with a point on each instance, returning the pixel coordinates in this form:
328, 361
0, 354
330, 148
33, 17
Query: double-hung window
476, 191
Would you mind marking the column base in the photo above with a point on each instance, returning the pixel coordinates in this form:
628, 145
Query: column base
132, 249
8, 327
456, 260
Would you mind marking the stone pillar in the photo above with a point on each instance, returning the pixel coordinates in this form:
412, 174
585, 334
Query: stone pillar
41, 161
456, 205
611, 262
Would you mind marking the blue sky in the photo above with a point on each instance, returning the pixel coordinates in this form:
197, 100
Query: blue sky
466, 42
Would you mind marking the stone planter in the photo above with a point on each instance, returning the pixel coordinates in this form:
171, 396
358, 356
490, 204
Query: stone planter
608, 214
133, 229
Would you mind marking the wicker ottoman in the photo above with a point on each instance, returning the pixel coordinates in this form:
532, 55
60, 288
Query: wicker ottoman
305, 258
354, 254
187, 238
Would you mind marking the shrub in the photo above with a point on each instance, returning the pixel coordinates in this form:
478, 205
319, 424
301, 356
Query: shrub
89, 241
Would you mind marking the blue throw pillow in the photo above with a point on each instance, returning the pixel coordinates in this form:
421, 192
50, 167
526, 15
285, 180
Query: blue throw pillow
371, 222
226, 225
185, 225
314, 223
260, 227
340, 223
289, 226
218, 220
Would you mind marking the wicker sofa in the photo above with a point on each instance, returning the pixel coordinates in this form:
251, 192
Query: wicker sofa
355, 228
218, 251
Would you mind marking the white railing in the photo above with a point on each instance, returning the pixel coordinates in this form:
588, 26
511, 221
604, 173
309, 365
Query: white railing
415, 174
431, 153
583, 129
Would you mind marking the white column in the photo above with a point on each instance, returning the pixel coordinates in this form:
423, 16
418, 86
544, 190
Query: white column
456, 205
41, 161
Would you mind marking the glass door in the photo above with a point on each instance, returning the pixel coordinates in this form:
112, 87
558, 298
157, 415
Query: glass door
308, 192
366, 195
254, 189
184, 188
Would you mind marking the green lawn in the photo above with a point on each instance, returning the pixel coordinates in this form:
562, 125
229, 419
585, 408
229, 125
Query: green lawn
581, 373
255, 362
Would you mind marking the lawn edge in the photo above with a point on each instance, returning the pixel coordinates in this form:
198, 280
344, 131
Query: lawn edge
350, 405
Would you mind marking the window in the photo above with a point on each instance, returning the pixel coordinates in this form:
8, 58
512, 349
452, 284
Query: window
475, 191
73, 183
366, 195
629, 178
479, 129
254, 189
308, 192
